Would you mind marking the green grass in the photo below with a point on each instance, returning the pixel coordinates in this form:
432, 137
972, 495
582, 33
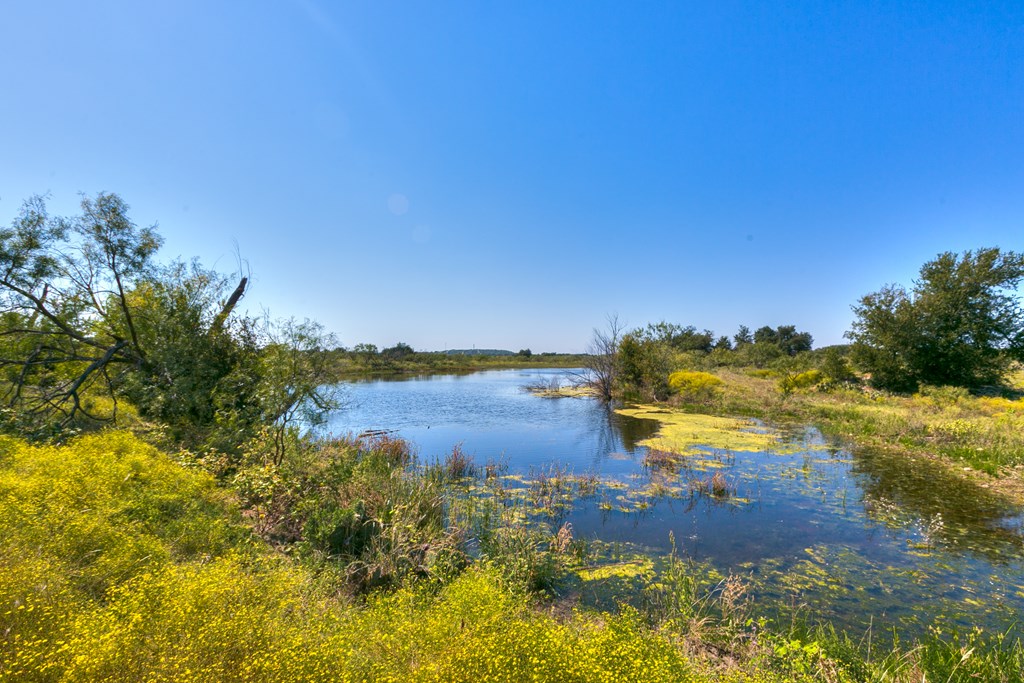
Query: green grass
951, 427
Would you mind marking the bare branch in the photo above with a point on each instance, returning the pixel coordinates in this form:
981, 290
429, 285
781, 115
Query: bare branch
218, 322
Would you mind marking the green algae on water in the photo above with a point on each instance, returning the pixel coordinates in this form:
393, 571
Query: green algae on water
689, 434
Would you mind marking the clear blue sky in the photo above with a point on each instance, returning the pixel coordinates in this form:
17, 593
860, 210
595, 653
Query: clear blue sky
506, 174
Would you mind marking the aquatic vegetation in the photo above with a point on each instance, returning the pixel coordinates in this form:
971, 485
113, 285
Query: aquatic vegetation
562, 390
458, 464
689, 434
716, 485
984, 432
643, 567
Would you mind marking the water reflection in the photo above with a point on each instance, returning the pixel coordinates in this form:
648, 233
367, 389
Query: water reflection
902, 492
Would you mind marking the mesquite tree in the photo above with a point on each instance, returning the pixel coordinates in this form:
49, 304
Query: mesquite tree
89, 318
961, 324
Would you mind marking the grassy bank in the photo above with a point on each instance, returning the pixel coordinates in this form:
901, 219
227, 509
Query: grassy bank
121, 563
977, 437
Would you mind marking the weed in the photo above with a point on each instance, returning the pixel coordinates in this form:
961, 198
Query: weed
458, 464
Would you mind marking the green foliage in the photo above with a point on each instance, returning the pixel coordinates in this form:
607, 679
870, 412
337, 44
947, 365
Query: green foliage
694, 387
743, 336
64, 288
352, 504
677, 337
93, 319
760, 354
961, 324
398, 351
192, 373
836, 367
791, 382
643, 367
785, 338
942, 396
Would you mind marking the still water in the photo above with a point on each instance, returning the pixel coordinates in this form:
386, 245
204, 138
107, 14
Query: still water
863, 539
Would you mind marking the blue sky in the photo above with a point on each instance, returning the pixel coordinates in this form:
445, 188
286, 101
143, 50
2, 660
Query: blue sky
506, 174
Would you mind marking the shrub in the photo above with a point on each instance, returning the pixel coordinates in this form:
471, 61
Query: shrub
941, 396
836, 367
77, 521
803, 380
694, 386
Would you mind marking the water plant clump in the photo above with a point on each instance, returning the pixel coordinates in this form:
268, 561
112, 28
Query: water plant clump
458, 464
689, 433
716, 485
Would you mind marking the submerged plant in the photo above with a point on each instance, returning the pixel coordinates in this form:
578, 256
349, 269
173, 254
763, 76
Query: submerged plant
716, 486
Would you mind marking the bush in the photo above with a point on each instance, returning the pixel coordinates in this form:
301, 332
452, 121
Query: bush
78, 521
804, 380
694, 386
941, 396
836, 367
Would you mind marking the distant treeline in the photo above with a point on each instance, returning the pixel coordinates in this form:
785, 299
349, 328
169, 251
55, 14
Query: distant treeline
402, 358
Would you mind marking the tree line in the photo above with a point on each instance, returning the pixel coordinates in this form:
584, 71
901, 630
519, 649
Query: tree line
960, 324
636, 364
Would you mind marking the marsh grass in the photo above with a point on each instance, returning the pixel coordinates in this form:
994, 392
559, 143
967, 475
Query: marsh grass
458, 464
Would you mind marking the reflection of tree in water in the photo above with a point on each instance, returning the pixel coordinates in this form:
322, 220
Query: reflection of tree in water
614, 433
962, 516
632, 430
602, 426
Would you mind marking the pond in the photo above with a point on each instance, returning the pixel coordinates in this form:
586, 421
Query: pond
865, 539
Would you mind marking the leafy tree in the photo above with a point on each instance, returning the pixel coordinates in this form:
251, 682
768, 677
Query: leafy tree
398, 351
365, 351
766, 335
961, 324
88, 314
295, 385
201, 363
65, 288
644, 365
743, 336
761, 353
792, 342
785, 337
835, 366
678, 337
